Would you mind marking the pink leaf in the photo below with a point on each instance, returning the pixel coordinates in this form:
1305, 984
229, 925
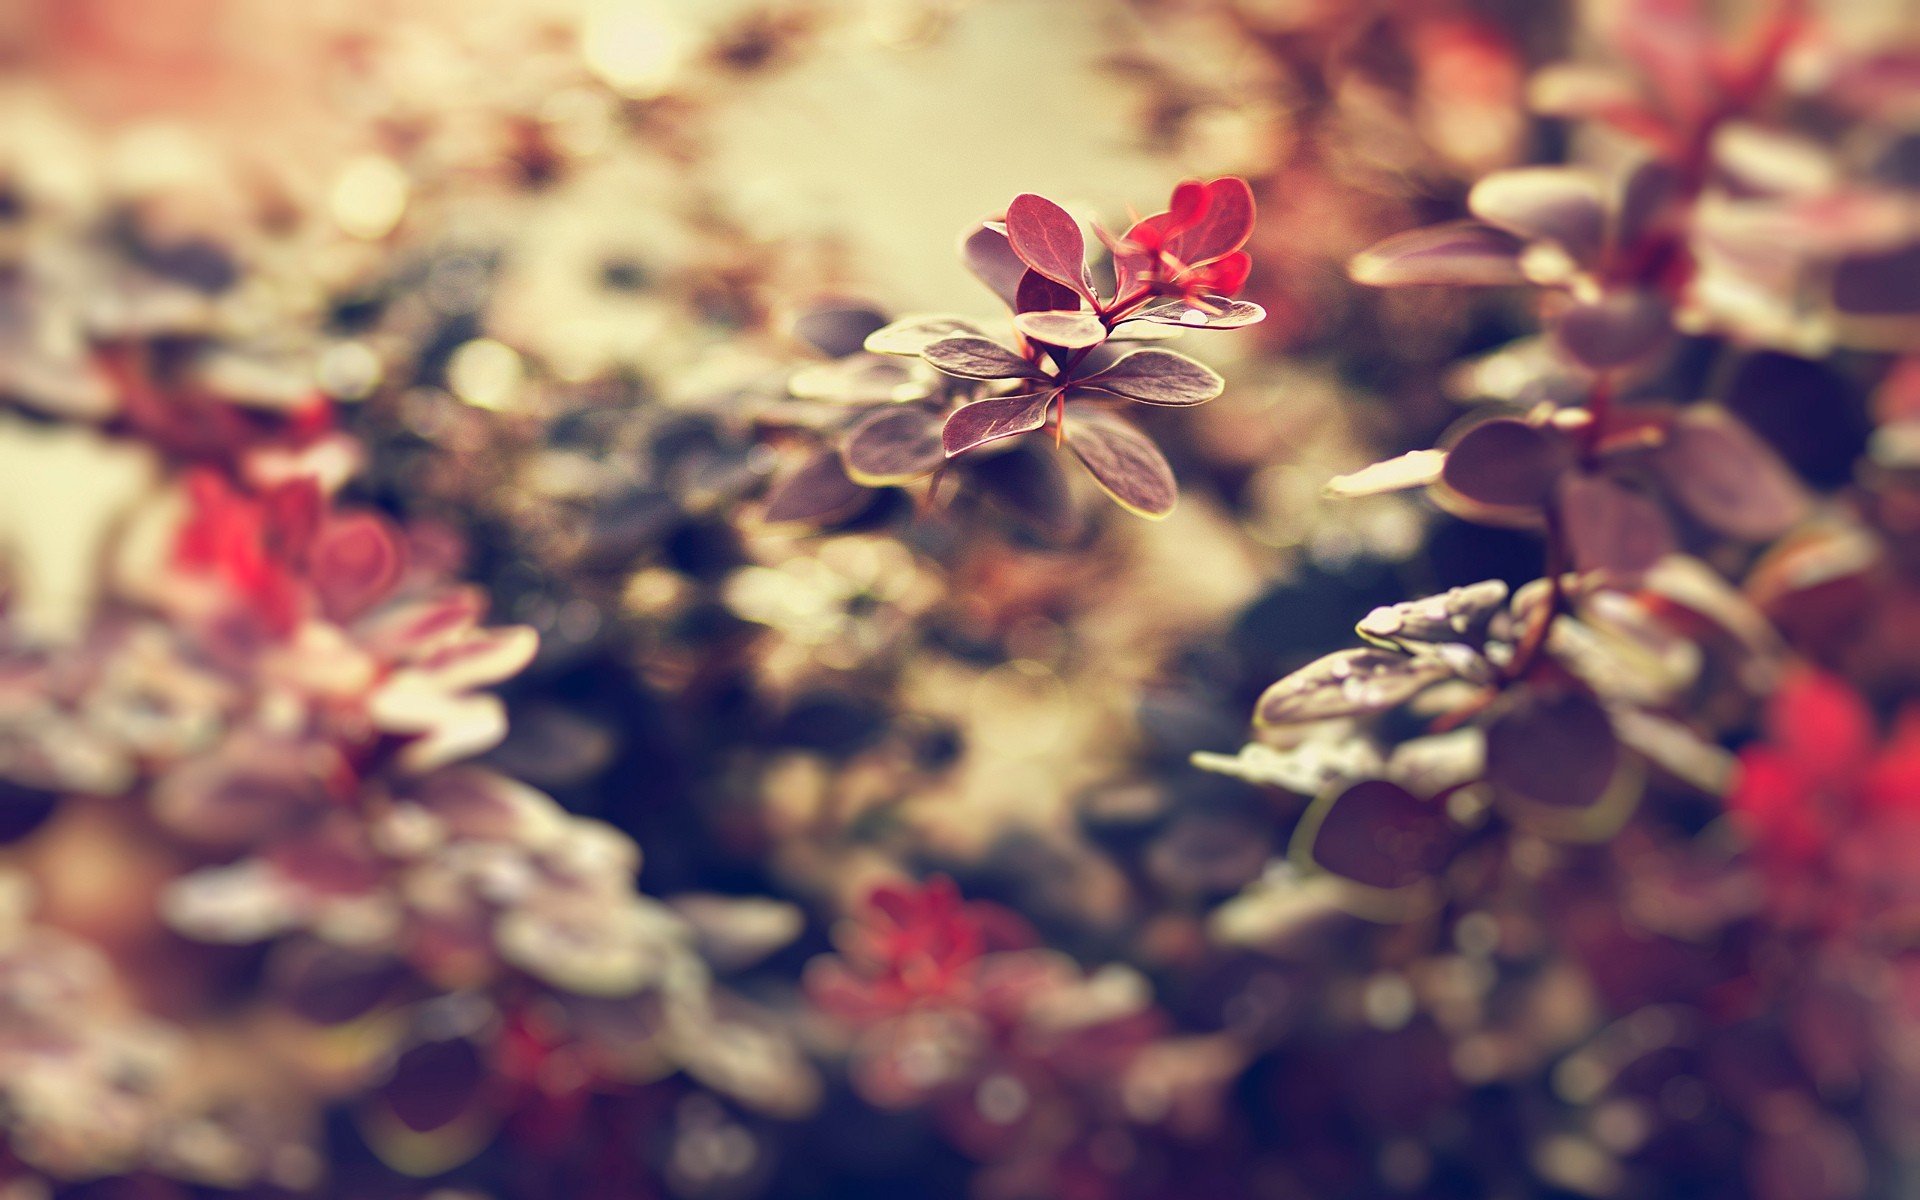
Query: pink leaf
1124, 462
1048, 239
986, 421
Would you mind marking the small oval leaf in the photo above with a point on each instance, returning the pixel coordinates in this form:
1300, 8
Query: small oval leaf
1348, 683
1556, 749
978, 358
986, 421
912, 334
1464, 253
1507, 463
893, 446
1158, 377
1124, 462
1068, 330
1379, 834
1048, 239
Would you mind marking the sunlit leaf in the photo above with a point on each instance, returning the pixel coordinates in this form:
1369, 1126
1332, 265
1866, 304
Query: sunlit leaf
1415, 468
1124, 462
1069, 330
1226, 314
1158, 377
990, 420
1458, 614
1349, 683
893, 446
1557, 204
1048, 239
978, 358
1307, 768
1726, 476
1462, 252
912, 334
818, 492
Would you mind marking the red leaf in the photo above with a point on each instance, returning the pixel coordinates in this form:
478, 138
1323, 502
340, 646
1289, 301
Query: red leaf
1158, 377
1124, 462
1048, 239
356, 562
1224, 225
986, 421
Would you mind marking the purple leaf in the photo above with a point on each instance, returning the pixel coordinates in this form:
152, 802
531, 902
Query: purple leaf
1556, 204
1037, 293
837, 330
1619, 328
1228, 314
1349, 683
990, 257
1027, 483
1463, 253
893, 446
1048, 239
912, 334
1556, 749
818, 492
1731, 480
1124, 462
1610, 528
978, 358
1506, 463
986, 421
1883, 284
1381, 835
1068, 330
1158, 377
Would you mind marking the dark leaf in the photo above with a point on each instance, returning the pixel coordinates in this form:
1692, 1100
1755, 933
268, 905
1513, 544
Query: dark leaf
1069, 330
1620, 328
837, 330
986, 421
1158, 377
1124, 462
1048, 239
978, 358
1554, 749
912, 334
1880, 284
1556, 204
893, 446
818, 492
1227, 314
990, 257
1728, 478
1610, 528
1462, 252
1027, 483
1379, 834
1349, 683
1039, 294
1507, 463
434, 1083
